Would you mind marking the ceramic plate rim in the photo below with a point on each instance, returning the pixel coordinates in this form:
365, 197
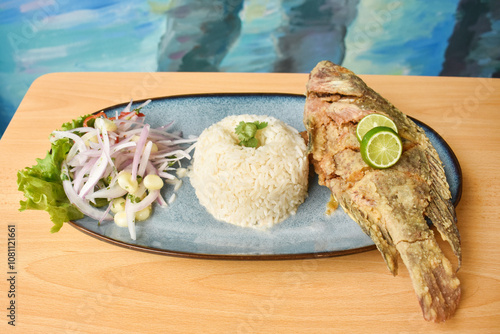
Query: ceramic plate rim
246, 257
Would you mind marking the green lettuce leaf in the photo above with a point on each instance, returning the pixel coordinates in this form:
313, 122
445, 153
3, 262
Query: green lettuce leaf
42, 184
76, 123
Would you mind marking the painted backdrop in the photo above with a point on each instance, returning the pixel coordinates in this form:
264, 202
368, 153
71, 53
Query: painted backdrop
445, 37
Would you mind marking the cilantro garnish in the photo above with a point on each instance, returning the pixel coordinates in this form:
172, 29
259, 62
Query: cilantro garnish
246, 132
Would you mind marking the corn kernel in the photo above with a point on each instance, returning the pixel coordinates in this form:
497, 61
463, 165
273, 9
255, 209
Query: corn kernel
92, 139
125, 181
154, 147
143, 214
101, 123
121, 219
140, 193
118, 204
153, 182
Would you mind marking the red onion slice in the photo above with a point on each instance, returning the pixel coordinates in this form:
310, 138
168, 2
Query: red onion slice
94, 176
95, 165
130, 219
110, 192
138, 150
149, 199
80, 203
144, 159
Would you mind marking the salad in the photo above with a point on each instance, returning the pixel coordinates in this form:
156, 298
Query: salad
108, 168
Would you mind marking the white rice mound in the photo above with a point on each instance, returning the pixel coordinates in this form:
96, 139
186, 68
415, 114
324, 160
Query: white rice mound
246, 186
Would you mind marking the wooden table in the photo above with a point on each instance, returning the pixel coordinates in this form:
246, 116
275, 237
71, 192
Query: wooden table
69, 282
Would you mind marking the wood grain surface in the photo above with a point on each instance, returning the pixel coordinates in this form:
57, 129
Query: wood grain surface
69, 282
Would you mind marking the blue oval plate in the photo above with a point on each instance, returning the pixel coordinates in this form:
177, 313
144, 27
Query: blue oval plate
186, 229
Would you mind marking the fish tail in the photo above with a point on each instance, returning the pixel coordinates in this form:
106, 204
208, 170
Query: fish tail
437, 288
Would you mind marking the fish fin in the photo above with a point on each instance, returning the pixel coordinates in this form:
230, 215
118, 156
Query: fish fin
309, 129
440, 210
434, 281
382, 240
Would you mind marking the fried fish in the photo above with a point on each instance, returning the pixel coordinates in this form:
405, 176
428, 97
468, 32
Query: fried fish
390, 205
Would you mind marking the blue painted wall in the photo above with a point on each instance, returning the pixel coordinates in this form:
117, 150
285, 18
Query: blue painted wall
449, 37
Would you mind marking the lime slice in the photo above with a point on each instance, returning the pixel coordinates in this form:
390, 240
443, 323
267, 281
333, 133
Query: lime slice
381, 147
372, 121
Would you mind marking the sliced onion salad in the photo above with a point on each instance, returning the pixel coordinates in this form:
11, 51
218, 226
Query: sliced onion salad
123, 161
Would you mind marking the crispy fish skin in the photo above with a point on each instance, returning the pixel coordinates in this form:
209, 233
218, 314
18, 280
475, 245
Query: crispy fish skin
389, 205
